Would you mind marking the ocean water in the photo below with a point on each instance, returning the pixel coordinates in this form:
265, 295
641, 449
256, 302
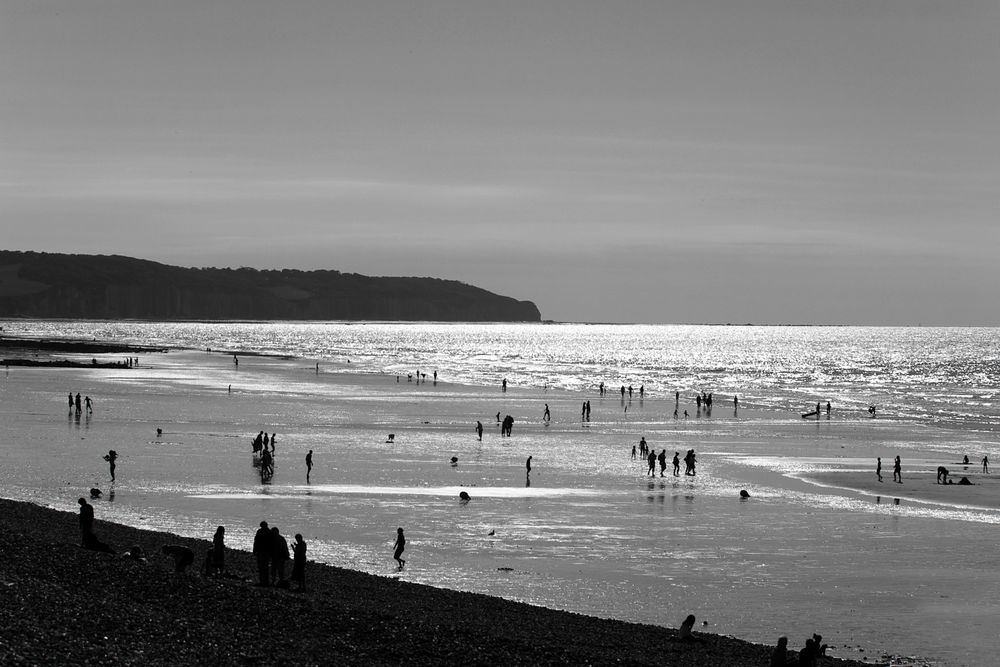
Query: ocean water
588, 531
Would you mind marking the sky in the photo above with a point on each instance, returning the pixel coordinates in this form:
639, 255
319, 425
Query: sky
738, 161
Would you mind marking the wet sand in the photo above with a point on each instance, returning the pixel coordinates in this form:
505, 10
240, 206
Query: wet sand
644, 549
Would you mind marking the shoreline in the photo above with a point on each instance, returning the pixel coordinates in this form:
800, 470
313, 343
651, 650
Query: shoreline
65, 604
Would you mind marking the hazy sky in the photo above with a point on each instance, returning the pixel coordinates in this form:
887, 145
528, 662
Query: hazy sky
799, 161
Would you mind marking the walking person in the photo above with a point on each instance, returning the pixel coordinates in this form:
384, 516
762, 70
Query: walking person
897, 471
309, 464
677, 464
398, 547
651, 461
479, 429
662, 458
986, 463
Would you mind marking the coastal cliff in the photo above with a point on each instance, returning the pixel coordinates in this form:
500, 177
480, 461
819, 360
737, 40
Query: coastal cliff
48, 285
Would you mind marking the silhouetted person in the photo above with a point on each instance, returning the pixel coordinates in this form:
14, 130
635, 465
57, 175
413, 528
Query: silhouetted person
309, 464
685, 633
111, 457
527, 465
299, 557
677, 464
79, 404
503, 385
71, 401
279, 556
215, 562
897, 471
651, 461
86, 520
808, 654
399, 545
662, 458
633, 452
986, 464
89, 403
479, 429
779, 656
262, 552
183, 556
878, 468
942, 475
545, 415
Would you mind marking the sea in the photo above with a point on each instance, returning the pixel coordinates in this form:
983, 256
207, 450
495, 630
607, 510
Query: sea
885, 577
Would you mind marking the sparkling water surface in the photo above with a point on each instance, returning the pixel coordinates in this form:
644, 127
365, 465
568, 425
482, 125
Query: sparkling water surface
591, 533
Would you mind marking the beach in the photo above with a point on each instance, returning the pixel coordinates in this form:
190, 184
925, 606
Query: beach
813, 548
63, 604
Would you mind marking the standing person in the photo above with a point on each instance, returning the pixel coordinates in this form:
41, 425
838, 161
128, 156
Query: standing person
878, 468
588, 410
651, 462
309, 464
986, 463
677, 464
274, 441
662, 458
527, 465
503, 385
79, 403
633, 452
279, 556
71, 401
111, 457
643, 448
479, 429
217, 556
262, 552
897, 471
736, 402
86, 520
399, 545
546, 416
299, 561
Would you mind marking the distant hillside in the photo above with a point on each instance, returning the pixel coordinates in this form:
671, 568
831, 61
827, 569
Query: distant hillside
46, 285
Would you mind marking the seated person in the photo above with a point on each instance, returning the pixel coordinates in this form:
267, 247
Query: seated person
183, 556
685, 633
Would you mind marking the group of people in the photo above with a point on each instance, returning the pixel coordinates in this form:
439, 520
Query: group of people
808, 656
505, 426
942, 472
262, 442
652, 458
77, 405
270, 549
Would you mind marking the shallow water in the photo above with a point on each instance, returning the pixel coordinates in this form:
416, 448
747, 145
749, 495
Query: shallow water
591, 533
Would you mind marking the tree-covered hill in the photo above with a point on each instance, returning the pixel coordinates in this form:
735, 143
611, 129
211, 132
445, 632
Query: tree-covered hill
47, 285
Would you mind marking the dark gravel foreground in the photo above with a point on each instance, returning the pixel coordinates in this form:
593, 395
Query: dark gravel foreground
63, 605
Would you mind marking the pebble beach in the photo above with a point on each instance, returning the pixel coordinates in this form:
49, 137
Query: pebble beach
65, 605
